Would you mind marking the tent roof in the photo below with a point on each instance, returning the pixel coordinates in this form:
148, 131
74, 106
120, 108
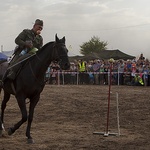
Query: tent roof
105, 54
115, 54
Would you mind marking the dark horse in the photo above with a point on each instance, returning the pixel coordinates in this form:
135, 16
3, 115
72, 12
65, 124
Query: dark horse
29, 83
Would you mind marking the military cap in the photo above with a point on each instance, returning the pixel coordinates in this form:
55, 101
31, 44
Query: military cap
39, 22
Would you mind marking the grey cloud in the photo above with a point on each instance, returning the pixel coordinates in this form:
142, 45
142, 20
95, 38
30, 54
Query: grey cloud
79, 20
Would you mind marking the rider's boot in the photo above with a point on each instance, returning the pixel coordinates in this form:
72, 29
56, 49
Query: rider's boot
13, 71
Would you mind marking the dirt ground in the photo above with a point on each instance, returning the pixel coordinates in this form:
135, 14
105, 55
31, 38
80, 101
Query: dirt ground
67, 116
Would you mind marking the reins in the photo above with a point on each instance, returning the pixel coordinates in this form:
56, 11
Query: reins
35, 75
20, 62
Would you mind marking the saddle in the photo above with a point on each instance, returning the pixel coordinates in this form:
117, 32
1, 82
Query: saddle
16, 65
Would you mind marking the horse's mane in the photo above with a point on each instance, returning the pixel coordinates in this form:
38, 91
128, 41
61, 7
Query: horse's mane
41, 49
46, 45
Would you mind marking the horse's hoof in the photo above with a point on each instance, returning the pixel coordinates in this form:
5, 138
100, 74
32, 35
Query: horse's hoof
1, 83
30, 141
10, 131
1, 133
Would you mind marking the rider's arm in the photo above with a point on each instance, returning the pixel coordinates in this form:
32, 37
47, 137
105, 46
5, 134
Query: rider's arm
22, 38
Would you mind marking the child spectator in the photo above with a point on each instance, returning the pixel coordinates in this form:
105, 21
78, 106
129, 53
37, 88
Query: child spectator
137, 80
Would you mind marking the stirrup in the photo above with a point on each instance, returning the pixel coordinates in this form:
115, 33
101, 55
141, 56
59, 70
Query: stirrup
1, 83
11, 76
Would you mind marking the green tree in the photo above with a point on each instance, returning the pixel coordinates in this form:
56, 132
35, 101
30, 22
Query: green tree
94, 45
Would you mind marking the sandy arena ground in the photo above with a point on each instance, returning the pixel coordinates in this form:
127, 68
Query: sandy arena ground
66, 117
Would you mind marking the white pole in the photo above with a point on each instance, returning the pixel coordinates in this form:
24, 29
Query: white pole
77, 78
58, 80
118, 123
118, 77
63, 77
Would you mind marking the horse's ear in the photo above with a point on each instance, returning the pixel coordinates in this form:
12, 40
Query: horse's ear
64, 39
56, 38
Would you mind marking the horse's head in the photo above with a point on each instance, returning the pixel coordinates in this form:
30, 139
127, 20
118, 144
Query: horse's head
62, 53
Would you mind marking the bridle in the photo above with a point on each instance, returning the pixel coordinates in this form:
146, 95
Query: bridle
55, 54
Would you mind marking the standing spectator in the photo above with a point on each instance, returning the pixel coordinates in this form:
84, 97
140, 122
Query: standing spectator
54, 72
127, 72
133, 70
148, 68
90, 66
53, 75
82, 71
91, 77
121, 72
145, 75
115, 73
73, 76
141, 57
106, 67
140, 68
129, 69
129, 66
47, 75
90, 72
101, 75
96, 69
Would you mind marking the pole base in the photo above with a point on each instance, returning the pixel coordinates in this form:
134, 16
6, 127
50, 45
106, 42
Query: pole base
106, 134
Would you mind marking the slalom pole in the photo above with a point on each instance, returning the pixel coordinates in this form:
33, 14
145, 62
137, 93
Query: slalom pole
118, 123
108, 110
106, 133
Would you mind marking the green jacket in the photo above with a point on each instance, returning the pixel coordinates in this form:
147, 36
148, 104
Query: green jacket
29, 35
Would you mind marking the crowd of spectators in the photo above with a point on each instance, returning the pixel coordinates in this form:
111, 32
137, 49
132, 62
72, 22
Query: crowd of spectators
123, 72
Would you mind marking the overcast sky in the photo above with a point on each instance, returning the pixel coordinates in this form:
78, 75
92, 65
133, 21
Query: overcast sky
124, 24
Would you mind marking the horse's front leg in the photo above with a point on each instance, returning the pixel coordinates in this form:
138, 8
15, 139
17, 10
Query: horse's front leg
22, 106
33, 103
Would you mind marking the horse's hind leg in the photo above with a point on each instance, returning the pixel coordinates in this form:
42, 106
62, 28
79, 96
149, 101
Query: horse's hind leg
1, 127
2, 130
3, 106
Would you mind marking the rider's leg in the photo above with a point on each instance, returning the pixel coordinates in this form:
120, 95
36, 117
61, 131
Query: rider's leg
16, 66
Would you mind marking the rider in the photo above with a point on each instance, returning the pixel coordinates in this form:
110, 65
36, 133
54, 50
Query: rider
28, 41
